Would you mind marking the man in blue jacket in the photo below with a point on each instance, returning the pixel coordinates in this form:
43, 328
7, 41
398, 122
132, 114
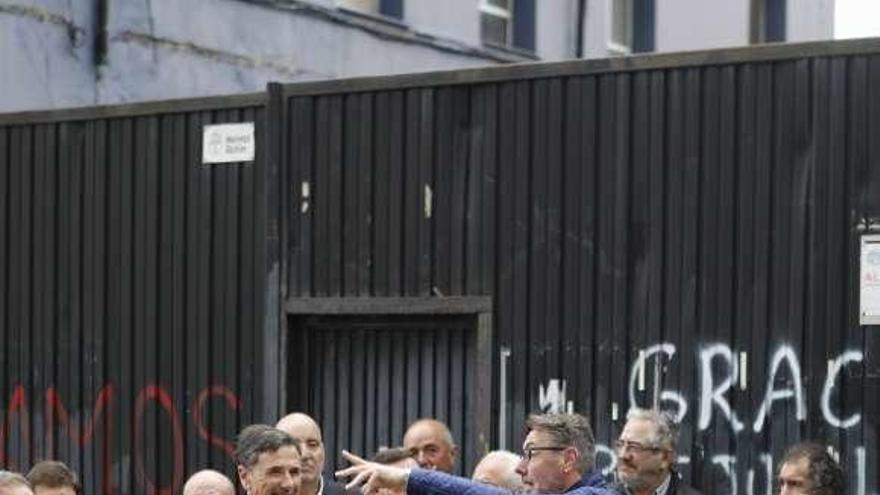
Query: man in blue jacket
558, 455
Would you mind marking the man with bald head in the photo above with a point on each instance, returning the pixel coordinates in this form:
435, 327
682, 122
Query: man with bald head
305, 429
432, 445
208, 482
498, 468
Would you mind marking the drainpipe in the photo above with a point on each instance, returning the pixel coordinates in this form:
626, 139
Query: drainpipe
756, 21
581, 15
101, 18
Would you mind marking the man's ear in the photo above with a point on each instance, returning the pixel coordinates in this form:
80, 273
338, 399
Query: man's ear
454, 451
569, 458
244, 477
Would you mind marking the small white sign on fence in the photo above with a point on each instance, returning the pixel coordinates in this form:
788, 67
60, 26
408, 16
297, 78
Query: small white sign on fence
228, 143
869, 281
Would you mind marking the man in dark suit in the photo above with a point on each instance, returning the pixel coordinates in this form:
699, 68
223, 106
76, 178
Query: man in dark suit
306, 430
268, 461
646, 455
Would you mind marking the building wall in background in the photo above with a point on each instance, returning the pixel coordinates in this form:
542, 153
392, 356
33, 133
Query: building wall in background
683, 24
62, 54
556, 30
163, 49
808, 21
455, 19
46, 49
159, 53
596, 32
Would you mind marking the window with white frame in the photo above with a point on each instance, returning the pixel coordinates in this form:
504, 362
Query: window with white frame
621, 39
496, 22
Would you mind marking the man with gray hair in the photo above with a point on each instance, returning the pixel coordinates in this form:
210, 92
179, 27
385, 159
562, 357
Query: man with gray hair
12, 483
808, 468
498, 468
208, 482
553, 438
558, 455
268, 461
646, 456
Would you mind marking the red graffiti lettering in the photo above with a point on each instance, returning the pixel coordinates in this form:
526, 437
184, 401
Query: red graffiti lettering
89, 431
158, 394
18, 402
55, 408
232, 402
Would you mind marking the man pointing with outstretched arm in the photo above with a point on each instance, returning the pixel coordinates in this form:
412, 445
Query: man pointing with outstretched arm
558, 455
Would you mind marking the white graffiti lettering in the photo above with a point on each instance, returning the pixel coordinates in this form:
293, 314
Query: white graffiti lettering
767, 460
715, 395
719, 370
638, 372
834, 369
860, 469
786, 354
728, 464
553, 398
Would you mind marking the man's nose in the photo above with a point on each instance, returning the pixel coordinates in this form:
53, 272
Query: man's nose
290, 481
422, 459
521, 467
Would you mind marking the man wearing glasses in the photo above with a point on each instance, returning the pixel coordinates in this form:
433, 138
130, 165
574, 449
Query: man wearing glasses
558, 455
646, 455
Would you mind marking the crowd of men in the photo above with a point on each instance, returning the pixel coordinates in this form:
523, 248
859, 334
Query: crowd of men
558, 456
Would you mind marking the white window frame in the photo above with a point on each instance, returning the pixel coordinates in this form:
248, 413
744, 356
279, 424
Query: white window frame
507, 14
614, 47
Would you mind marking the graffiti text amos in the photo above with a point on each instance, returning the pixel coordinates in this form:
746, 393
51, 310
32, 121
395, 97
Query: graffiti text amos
99, 422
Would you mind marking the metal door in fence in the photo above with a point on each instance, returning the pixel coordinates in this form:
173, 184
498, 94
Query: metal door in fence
365, 377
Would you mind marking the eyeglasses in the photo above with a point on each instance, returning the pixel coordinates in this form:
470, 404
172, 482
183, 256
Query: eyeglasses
638, 448
529, 452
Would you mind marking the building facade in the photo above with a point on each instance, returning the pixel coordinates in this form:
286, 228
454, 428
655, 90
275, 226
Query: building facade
90, 52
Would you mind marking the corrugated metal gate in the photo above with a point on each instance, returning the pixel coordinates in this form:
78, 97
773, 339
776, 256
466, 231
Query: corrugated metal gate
366, 369
373, 375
